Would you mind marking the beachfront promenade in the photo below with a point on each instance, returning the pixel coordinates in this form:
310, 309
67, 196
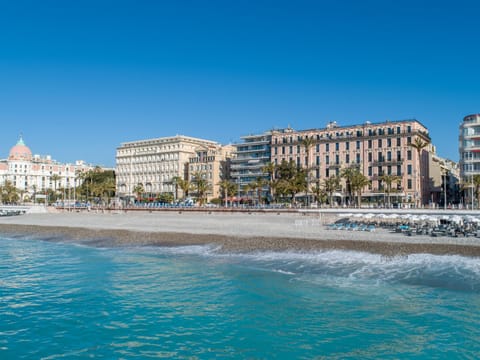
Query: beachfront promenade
302, 230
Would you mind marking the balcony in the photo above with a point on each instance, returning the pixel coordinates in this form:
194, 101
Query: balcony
344, 137
387, 162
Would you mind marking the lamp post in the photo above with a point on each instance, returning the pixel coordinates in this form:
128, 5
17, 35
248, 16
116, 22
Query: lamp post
472, 189
445, 189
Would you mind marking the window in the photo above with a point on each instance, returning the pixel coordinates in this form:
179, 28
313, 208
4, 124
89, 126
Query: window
317, 148
389, 142
380, 157
318, 160
276, 151
358, 158
389, 170
337, 146
358, 144
409, 184
327, 172
409, 140
389, 156
369, 144
409, 169
347, 158
347, 145
283, 150
327, 159
291, 149
327, 147
369, 157
370, 171
379, 143
337, 159
409, 129
398, 130
399, 170
409, 155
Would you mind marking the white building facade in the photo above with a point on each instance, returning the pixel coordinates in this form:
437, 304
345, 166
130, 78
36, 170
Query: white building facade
153, 164
35, 174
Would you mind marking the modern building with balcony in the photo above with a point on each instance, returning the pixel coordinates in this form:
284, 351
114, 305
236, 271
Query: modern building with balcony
469, 147
376, 149
250, 157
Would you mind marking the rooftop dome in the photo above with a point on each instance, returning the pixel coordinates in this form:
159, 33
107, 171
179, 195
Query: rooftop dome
20, 151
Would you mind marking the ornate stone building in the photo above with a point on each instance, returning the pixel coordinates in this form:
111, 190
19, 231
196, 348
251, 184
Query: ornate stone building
34, 174
153, 164
213, 164
376, 148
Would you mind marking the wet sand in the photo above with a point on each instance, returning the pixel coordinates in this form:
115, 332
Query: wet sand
232, 232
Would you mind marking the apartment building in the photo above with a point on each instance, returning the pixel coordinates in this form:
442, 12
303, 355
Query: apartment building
250, 157
444, 177
375, 148
212, 163
469, 147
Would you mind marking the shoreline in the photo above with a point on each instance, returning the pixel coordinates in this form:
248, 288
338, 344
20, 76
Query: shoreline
232, 233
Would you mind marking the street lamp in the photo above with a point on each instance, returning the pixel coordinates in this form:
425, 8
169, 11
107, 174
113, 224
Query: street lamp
445, 189
472, 189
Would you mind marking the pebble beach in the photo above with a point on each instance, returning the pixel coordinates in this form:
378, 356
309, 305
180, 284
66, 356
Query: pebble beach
232, 232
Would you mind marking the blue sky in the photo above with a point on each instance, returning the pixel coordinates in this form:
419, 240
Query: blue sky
77, 78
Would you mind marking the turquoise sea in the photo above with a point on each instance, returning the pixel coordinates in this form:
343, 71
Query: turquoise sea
63, 300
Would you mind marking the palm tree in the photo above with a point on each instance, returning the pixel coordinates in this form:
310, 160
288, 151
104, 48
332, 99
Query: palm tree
79, 175
139, 190
389, 180
348, 174
331, 184
185, 186
357, 184
55, 178
175, 182
34, 188
476, 186
307, 143
298, 184
107, 189
228, 187
257, 186
9, 193
201, 185
291, 179
319, 193
270, 168
419, 145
